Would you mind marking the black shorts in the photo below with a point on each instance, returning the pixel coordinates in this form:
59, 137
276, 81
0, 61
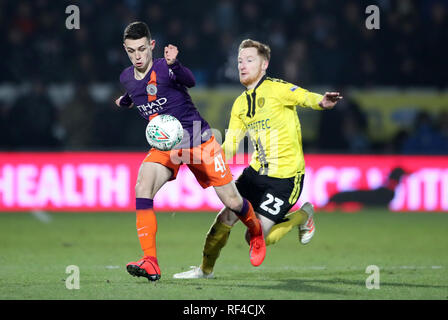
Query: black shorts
270, 197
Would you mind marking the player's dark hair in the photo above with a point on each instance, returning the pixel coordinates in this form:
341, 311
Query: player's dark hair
262, 49
136, 30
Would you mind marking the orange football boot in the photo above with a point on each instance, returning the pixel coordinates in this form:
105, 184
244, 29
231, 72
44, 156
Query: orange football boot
257, 249
147, 267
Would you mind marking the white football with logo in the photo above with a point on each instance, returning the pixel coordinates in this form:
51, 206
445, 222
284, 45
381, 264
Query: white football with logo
164, 132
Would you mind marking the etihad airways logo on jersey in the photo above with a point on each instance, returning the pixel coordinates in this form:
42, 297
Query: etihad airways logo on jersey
153, 106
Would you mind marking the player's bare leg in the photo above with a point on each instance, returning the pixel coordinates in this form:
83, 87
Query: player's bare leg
151, 177
215, 241
231, 198
219, 232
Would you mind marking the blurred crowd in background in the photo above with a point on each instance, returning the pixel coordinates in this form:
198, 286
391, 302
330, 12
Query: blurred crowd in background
314, 43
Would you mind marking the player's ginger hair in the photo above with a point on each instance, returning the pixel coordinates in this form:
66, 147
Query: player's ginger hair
262, 49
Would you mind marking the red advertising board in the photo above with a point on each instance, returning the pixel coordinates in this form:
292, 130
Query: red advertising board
104, 181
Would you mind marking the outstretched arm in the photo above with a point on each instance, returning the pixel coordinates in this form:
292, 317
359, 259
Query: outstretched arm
296, 96
183, 75
330, 99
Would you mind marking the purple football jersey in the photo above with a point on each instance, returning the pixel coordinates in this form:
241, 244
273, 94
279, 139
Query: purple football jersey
164, 91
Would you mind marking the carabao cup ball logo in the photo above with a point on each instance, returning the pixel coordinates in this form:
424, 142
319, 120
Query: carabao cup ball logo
164, 132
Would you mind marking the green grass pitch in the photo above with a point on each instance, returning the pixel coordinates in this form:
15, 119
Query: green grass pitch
410, 250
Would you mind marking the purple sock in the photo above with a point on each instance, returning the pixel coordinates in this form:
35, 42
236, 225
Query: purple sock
143, 203
244, 209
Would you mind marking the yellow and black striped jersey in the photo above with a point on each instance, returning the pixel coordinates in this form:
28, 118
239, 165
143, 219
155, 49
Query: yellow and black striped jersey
268, 113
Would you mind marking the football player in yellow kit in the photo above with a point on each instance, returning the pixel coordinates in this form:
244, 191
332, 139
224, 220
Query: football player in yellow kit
274, 179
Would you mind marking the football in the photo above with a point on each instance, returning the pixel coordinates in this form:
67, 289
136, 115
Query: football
164, 132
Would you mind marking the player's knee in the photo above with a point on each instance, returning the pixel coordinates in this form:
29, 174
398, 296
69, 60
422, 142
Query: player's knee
139, 190
143, 190
228, 217
235, 203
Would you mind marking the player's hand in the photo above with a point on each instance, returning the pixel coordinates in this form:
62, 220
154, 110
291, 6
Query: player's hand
170, 54
330, 99
117, 102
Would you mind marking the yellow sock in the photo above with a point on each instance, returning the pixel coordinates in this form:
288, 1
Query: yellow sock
216, 239
279, 230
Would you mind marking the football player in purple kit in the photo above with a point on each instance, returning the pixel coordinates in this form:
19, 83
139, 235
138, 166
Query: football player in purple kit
159, 86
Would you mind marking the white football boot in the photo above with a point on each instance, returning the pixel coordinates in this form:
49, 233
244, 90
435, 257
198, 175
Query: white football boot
194, 273
306, 230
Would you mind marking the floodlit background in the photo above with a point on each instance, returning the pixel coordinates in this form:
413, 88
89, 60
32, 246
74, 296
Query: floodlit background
57, 86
